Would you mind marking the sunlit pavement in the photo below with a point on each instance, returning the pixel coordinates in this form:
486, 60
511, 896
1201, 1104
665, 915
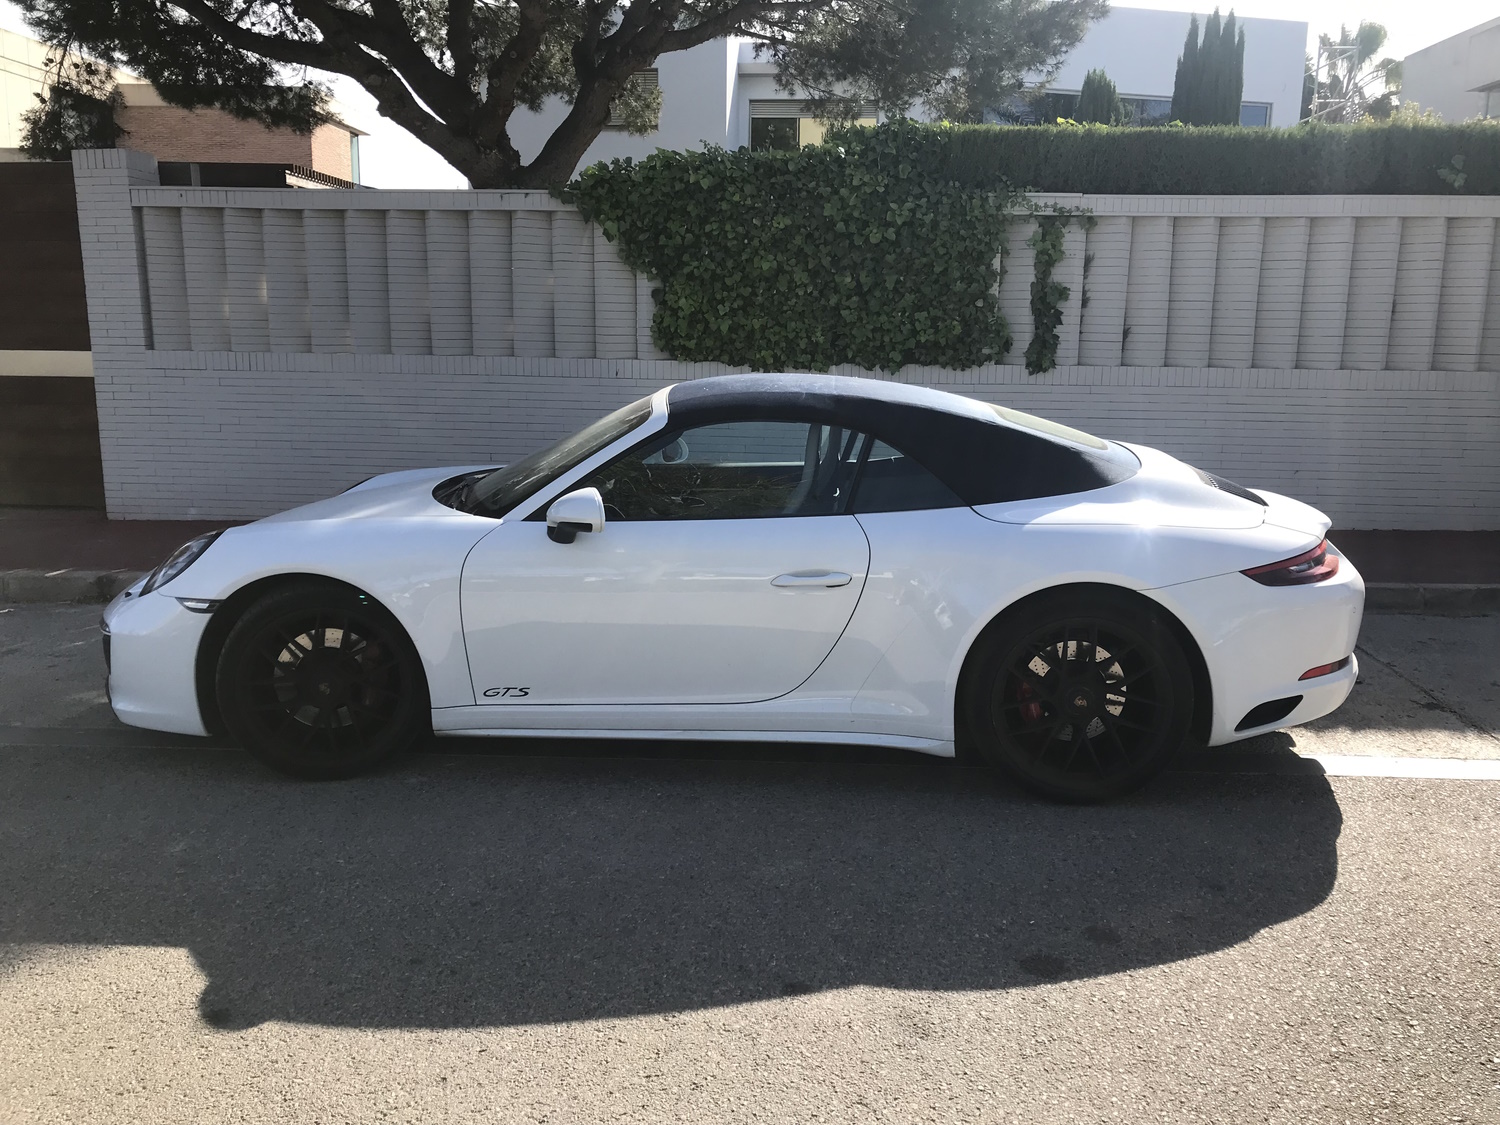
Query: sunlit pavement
524, 932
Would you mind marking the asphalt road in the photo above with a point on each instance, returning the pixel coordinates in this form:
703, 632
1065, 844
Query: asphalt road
593, 932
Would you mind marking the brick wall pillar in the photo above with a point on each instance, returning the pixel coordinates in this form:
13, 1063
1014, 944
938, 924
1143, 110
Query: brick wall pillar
119, 309
112, 261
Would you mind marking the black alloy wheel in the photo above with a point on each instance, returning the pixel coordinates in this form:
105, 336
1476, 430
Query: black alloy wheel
318, 681
1081, 698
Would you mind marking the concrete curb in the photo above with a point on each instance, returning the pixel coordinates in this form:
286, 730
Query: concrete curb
1437, 598
77, 587
94, 587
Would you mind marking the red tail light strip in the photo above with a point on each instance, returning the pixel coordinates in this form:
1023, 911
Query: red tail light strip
1324, 669
1317, 565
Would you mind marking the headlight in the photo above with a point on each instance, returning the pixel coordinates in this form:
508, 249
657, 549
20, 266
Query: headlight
180, 560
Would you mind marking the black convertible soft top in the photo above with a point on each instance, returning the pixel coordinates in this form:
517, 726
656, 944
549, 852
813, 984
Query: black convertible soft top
984, 454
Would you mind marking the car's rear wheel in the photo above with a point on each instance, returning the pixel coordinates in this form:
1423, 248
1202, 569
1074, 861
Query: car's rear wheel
319, 681
1080, 696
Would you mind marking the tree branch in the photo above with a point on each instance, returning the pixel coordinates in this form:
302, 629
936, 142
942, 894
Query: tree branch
388, 34
461, 40
504, 73
735, 19
341, 53
293, 52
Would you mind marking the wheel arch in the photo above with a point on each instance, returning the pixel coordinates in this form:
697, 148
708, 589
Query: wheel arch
223, 621
1203, 705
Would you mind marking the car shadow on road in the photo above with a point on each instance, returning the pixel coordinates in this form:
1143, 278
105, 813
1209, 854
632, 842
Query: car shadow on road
535, 887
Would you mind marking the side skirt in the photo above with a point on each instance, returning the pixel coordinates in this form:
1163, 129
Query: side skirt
942, 748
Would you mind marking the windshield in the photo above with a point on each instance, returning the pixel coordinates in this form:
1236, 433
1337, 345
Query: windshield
502, 490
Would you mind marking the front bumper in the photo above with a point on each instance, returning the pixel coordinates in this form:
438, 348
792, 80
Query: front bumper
1258, 640
151, 646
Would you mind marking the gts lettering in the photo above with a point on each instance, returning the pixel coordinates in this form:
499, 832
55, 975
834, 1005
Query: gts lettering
506, 692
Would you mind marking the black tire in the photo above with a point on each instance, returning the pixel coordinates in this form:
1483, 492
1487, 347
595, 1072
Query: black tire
1080, 696
319, 681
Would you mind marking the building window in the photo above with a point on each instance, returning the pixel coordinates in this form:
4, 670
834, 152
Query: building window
779, 133
648, 78
1255, 114
1489, 101
781, 123
1048, 106
354, 157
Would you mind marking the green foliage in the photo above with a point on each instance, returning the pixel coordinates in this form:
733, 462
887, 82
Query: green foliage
1210, 74
1099, 101
77, 111
860, 250
455, 72
1346, 88
1047, 295
639, 107
1453, 173
1402, 157
958, 57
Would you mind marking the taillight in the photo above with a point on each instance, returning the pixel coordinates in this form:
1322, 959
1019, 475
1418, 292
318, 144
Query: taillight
1316, 565
1325, 669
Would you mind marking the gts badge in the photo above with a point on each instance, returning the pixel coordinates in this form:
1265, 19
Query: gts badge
506, 692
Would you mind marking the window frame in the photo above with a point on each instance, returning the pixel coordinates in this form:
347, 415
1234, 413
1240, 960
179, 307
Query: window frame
668, 432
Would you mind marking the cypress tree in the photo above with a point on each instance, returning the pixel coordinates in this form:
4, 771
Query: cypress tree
1210, 99
1099, 100
1211, 73
1235, 85
1187, 77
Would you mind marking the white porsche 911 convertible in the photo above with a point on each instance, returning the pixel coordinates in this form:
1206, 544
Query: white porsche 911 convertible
792, 557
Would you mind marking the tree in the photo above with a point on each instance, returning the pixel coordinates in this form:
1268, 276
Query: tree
454, 72
1346, 91
77, 111
1099, 101
1210, 79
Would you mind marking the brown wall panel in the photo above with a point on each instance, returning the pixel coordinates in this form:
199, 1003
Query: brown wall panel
49, 443
43, 306
19, 227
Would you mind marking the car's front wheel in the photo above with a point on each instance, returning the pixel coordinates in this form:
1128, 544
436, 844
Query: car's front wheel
1080, 696
319, 681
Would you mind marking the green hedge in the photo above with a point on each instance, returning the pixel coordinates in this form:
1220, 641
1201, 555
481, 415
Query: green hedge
878, 247
859, 250
1373, 159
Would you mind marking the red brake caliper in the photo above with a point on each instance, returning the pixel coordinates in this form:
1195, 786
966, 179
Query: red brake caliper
1030, 712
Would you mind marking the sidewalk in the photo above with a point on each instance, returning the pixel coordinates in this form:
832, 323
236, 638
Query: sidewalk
77, 555
66, 555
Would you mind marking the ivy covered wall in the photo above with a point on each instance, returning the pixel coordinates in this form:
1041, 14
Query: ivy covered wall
860, 250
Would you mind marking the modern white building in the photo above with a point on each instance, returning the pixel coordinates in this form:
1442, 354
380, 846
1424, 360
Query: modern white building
720, 93
1458, 77
1138, 48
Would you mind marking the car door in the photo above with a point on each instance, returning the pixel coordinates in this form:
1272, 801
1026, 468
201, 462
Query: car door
725, 572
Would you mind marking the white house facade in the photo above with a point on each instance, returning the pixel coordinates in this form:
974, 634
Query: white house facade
1458, 76
1138, 48
720, 93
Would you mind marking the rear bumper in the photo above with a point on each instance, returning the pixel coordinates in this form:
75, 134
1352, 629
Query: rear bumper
1257, 641
152, 645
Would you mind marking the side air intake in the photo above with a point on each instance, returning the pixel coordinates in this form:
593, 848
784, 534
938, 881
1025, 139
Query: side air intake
1267, 713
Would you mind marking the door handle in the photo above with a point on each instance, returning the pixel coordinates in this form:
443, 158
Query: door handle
808, 578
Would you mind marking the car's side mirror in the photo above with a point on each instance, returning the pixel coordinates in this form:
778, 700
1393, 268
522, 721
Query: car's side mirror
579, 510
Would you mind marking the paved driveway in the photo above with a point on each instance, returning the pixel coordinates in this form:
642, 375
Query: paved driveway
595, 932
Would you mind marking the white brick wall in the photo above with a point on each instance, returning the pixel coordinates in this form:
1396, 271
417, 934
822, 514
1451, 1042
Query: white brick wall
222, 434
256, 349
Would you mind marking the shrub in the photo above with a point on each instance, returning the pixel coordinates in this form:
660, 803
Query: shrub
879, 246
1099, 101
861, 250
1378, 158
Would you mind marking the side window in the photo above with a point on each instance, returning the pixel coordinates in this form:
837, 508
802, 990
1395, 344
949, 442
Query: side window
732, 470
893, 482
